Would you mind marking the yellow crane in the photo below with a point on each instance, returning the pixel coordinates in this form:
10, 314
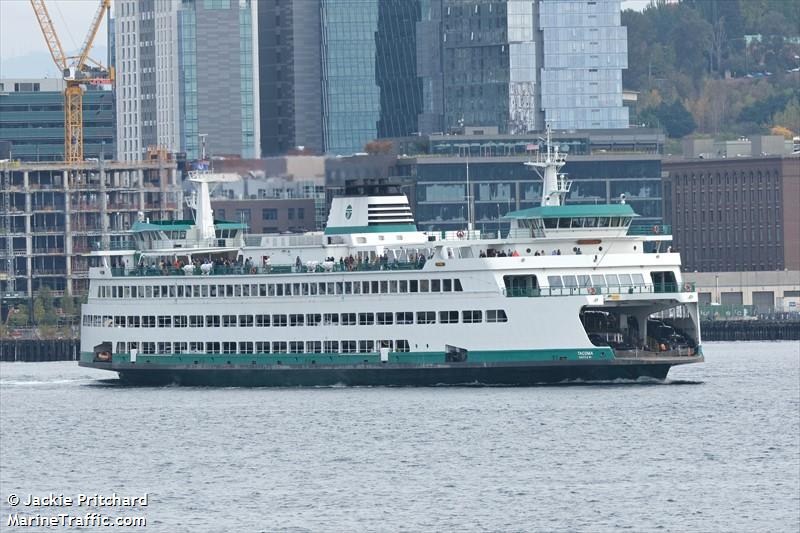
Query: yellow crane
77, 71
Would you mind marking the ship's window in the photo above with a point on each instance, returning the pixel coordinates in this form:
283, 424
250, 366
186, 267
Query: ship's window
401, 345
313, 319
331, 346
271, 289
457, 285
385, 319
133, 321
279, 347
612, 280
366, 346
245, 290
349, 347
164, 321
554, 281
598, 280
604, 222
348, 319
296, 346
180, 321
330, 319
196, 291
262, 346
426, 317
172, 291
279, 321
212, 291
180, 291
127, 289
108, 321
120, 347
447, 285
157, 291
413, 286
245, 347
196, 347
165, 348
296, 289
375, 289
384, 287
366, 319
365, 287
228, 347
245, 321
133, 346
404, 318
570, 281
279, 289
625, 280
304, 288
148, 321
262, 289
584, 280
148, 348
472, 317
229, 291
393, 286
195, 321
496, 315
119, 321
313, 289
403, 285
424, 286
212, 321
237, 291
262, 321
179, 347
228, 321
356, 287
314, 346
339, 287
638, 279
384, 344
436, 285
448, 317
296, 320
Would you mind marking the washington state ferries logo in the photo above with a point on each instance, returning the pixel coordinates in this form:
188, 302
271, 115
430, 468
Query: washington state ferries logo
348, 212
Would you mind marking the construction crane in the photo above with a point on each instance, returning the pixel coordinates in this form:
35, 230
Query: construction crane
77, 71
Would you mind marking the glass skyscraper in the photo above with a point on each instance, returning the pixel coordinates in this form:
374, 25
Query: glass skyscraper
585, 50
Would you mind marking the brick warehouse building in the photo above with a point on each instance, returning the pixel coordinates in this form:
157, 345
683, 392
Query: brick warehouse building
737, 214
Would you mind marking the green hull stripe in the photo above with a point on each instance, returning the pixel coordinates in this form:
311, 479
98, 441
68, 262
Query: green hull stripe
327, 359
385, 228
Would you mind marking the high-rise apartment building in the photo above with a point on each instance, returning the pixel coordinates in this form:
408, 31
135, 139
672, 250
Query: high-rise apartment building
387, 68
585, 51
184, 69
337, 74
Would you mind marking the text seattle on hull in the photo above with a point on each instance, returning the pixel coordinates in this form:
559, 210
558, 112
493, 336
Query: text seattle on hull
567, 294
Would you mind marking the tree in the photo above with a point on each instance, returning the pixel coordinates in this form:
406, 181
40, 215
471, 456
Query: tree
44, 312
18, 316
789, 118
67, 305
674, 118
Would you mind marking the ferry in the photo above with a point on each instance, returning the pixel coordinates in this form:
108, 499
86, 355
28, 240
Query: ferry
570, 293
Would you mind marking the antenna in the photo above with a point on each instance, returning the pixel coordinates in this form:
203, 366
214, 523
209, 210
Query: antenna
555, 186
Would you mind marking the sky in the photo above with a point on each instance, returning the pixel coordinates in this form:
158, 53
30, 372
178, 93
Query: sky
23, 53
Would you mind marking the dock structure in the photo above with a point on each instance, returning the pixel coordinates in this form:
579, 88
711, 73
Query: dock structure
51, 214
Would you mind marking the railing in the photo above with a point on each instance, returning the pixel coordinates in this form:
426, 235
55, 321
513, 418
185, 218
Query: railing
658, 288
658, 229
325, 267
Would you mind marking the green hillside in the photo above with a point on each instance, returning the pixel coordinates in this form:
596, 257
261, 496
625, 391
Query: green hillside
716, 67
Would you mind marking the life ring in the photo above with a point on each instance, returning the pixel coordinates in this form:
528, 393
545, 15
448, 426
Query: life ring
591, 290
460, 234
687, 287
656, 229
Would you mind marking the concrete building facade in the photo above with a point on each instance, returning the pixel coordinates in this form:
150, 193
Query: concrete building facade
52, 215
186, 69
735, 214
32, 120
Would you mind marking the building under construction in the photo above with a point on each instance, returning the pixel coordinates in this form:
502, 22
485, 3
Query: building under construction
52, 214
